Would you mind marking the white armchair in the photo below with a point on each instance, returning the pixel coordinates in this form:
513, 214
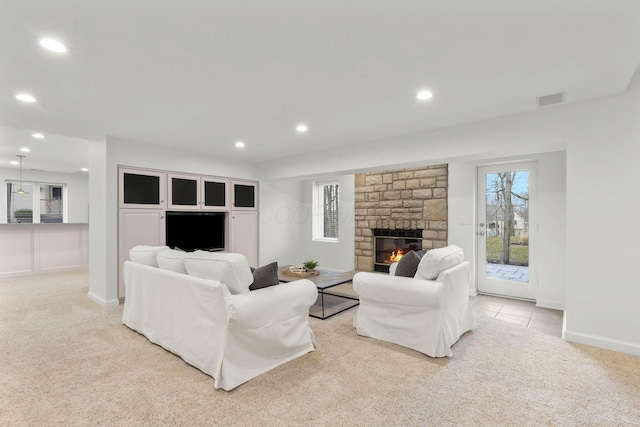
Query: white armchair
417, 312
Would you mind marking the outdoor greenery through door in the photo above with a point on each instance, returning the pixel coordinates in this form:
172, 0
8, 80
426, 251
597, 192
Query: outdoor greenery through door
507, 196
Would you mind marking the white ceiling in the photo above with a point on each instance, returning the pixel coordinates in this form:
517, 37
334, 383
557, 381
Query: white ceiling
203, 74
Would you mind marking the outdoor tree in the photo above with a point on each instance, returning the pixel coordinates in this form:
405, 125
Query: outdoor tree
505, 201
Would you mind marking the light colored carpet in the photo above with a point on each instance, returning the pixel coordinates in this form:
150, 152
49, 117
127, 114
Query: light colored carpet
66, 361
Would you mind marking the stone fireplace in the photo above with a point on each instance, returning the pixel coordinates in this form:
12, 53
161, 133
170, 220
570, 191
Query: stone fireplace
407, 204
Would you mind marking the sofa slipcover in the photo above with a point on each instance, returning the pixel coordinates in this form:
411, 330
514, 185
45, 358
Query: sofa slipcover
426, 315
233, 338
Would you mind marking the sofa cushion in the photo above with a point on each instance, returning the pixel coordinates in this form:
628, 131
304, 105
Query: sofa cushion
436, 261
146, 254
264, 276
171, 259
229, 268
408, 264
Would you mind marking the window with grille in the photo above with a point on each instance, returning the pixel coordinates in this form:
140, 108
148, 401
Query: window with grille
326, 211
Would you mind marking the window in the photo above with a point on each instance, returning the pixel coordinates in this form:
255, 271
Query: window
326, 211
51, 206
36, 202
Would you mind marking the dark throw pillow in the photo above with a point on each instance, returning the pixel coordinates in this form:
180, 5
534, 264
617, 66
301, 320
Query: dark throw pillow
421, 252
264, 276
408, 264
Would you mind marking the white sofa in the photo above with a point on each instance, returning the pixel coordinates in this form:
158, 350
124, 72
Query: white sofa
233, 337
428, 312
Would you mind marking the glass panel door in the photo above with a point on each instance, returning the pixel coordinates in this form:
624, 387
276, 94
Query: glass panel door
504, 234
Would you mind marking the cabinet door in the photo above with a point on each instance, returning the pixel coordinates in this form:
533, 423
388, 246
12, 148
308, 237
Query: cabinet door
244, 235
215, 194
184, 192
141, 189
244, 195
137, 227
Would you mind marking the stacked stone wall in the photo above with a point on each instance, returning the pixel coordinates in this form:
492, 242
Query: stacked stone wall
406, 199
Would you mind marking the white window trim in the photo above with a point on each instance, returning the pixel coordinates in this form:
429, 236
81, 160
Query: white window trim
35, 210
317, 210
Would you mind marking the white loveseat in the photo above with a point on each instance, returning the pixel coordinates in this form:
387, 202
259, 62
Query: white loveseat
428, 312
222, 329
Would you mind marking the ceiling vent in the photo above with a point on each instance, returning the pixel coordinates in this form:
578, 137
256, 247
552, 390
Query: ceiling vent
555, 98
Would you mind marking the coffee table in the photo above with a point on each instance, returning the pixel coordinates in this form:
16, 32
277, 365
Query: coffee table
328, 304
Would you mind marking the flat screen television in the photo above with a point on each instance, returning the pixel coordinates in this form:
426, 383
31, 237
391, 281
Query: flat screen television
191, 231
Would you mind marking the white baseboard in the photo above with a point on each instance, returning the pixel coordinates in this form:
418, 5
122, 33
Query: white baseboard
548, 303
603, 342
104, 303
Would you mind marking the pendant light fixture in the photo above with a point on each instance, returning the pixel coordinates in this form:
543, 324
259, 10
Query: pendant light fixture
21, 191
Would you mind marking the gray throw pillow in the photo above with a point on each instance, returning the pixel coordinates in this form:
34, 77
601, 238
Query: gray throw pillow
264, 276
408, 264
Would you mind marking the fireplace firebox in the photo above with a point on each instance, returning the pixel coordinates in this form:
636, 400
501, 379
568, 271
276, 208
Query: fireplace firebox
390, 245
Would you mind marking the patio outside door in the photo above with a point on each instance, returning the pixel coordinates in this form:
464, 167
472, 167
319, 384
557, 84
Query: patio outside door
505, 233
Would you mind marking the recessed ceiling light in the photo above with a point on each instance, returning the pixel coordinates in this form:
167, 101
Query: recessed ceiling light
240, 144
423, 95
302, 128
84, 170
25, 150
53, 45
25, 97
38, 135
13, 162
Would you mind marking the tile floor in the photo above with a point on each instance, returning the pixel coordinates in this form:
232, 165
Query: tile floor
524, 313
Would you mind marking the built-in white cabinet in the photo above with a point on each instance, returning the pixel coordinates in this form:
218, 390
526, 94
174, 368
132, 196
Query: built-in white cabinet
244, 235
192, 192
148, 197
142, 189
244, 195
138, 227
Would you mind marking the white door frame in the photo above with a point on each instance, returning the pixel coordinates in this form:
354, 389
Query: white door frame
495, 286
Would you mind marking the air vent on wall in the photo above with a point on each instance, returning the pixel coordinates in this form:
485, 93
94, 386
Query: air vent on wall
555, 98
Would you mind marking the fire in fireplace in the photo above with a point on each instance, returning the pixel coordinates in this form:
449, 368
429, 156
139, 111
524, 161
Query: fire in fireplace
390, 245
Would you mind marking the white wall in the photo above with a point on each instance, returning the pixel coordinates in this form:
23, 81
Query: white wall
282, 216
77, 190
550, 215
101, 290
338, 255
602, 198
603, 207
285, 224
106, 156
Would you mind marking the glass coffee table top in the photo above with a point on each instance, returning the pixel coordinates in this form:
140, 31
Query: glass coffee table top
328, 303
